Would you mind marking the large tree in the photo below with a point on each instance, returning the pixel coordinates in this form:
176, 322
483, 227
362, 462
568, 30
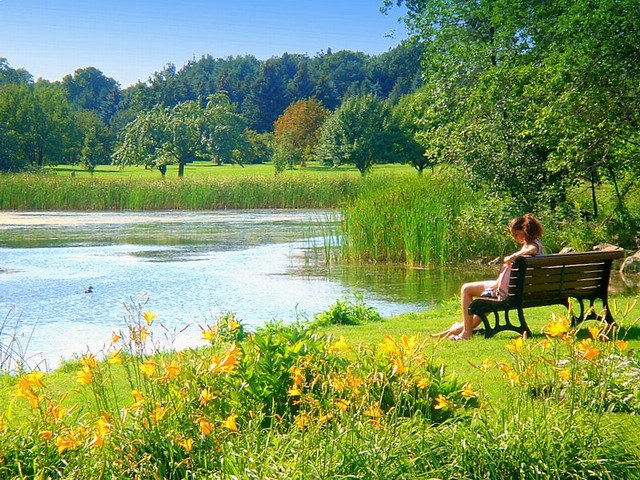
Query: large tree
182, 134
529, 97
296, 132
360, 132
37, 120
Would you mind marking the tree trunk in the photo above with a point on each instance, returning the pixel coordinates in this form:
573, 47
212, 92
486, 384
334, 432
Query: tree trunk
593, 196
181, 169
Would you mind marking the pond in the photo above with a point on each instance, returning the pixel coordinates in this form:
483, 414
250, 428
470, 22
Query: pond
189, 267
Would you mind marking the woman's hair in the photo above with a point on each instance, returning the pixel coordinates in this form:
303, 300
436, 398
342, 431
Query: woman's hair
529, 225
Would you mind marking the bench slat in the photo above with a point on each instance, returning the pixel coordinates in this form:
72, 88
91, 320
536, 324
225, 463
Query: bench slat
566, 272
563, 286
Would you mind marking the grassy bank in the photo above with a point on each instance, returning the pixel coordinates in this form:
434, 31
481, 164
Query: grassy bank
376, 400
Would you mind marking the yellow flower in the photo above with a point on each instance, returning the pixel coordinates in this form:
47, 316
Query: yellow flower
442, 403
205, 396
544, 344
557, 328
468, 392
67, 442
302, 420
399, 367
587, 349
85, 376
30, 396
486, 364
230, 422
187, 444
422, 383
204, 425
100, 431
342, 404
514, 379
148, 369
503, 367
595, 332
389, 345
143, 334
115, 358
30, 380
139, 399
297, 375
228, 362
373, 412
149, 317
517, 345
171, 370
565, 374
622, 345
354, 382
159, 413
208, 334
26, 385
46, 435
294, 391
115, 338
90, 361
233, 325
341, 344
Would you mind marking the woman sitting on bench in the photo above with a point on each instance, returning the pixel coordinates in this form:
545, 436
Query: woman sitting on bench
525, 230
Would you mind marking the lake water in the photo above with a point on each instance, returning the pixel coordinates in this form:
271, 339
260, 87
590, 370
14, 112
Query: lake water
261, 265
190, 267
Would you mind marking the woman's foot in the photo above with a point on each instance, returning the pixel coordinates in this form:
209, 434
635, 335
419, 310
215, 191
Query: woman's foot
458, 337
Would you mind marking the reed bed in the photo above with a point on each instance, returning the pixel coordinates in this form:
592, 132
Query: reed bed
53, 192
414, 220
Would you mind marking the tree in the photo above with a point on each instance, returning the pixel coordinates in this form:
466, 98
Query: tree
88, 88
225, 130
37, 121
404, 116
10, 159
182, 134
12, 75
296, 132
534, 96
360, 132
268, 98
164, 135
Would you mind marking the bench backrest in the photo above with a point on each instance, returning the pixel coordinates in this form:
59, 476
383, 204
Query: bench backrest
545, 279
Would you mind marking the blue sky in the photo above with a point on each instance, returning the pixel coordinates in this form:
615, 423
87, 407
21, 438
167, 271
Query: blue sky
129, 40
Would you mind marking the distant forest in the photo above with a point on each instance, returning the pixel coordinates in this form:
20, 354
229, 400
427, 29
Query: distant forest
79, 119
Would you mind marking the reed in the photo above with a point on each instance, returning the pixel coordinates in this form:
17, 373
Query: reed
55, 192
407, 219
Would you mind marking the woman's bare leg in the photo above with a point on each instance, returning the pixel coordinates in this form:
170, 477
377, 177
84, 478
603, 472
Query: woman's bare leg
467, 293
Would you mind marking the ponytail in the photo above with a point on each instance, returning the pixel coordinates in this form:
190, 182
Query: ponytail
529, 225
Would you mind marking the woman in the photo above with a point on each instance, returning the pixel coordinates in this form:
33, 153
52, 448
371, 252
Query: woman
527, 231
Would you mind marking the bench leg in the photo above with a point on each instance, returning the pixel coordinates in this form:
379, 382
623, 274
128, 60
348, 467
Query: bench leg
490, 331
524, 328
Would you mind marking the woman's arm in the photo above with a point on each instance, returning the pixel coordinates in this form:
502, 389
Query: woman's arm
527, 249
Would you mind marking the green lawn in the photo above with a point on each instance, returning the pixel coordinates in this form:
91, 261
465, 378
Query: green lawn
208, 169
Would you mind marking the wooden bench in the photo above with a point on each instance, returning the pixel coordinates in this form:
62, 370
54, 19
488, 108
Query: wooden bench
551, 280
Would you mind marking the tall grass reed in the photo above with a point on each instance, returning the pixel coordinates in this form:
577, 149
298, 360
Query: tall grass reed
54, 192
412, 220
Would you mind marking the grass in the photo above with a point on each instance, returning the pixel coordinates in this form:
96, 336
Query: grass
209, 169
378, 399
